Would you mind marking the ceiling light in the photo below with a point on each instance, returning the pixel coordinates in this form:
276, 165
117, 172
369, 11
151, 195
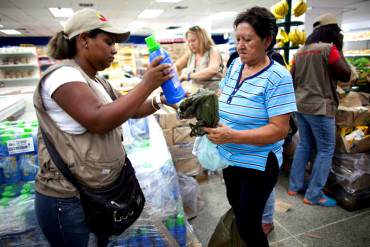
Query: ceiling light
168, 1
10, 31
61, 12
150, 13
63, 23
136, 24
1, 25
224, 14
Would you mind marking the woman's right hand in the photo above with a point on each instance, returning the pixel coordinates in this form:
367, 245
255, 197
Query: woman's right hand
157, 73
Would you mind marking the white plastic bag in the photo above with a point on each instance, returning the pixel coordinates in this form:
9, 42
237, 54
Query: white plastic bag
208, 155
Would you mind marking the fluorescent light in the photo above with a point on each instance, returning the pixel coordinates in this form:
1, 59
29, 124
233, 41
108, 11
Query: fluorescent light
62, 23
224, 14
10, 31
168, 1
136, 24
61, 12
150, 13
1, 25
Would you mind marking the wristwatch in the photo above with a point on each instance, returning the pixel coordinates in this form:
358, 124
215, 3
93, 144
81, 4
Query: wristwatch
158, 100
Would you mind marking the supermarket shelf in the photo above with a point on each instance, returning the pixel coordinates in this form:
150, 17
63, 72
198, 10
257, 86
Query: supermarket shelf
10, 106
18, 65
355, 40
17, 53
357, 55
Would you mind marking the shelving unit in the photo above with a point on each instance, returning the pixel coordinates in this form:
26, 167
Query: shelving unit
19, 66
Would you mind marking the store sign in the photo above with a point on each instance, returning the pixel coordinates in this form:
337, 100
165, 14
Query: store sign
18, 146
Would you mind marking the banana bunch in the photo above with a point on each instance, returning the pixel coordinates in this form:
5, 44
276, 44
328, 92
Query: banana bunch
300, 8
282, 37
297, 37
280, 9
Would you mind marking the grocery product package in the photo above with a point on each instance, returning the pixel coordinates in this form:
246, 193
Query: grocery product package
349, 180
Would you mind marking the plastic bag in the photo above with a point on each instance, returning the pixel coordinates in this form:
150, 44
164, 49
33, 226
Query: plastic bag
208, 155
189, 189
226, 233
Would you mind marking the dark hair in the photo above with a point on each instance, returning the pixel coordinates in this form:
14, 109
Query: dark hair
60, 47
262, 21
327, 34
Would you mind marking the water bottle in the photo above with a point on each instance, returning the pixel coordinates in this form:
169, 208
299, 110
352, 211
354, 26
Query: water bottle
134, 239
170, 225
180, 230
28, 165
172, 88
11, 171
33, 133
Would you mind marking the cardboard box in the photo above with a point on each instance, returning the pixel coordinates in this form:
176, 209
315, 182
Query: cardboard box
182, 135
169, 119
343, 146
188, 166
352, 116
182, 151
168, 135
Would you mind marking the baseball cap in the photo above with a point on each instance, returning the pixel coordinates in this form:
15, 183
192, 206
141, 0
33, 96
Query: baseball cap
324, 20
86, 20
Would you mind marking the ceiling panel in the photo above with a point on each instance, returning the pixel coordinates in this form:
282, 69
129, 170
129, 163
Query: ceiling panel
34, 15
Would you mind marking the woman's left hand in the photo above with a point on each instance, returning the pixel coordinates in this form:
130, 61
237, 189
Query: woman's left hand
221, 134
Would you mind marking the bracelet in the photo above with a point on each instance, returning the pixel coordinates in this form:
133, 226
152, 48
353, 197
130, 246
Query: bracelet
189, 76
158, 100
155, 108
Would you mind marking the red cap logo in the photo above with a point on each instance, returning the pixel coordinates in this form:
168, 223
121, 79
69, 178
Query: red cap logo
102, 18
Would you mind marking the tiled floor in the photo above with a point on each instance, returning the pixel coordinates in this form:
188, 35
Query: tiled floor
302, 225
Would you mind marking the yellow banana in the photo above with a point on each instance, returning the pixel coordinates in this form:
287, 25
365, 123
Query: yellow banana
280, 9
300, 8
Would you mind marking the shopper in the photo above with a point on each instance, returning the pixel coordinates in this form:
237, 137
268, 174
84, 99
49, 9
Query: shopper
81, 115
317, 67
202, 62
268, 212
255, 103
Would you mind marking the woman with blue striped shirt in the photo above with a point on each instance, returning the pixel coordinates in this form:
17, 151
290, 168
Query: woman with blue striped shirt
255, 102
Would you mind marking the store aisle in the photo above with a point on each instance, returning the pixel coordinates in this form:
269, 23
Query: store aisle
301, 225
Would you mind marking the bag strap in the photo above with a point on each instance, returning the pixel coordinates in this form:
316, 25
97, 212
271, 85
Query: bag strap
59, 163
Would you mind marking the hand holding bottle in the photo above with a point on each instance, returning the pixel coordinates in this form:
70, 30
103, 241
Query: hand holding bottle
157, 73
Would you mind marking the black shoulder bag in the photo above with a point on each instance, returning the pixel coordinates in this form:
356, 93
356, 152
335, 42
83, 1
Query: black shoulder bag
109, 210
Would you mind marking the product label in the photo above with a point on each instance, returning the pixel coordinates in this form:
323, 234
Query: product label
18, 146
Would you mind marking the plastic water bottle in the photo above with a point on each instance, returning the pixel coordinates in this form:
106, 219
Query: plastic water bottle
134, 239
28, 165
33, 132
172, 88
180, 230
170, 225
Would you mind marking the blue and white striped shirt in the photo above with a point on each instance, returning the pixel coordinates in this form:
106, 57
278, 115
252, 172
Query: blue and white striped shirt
266, 94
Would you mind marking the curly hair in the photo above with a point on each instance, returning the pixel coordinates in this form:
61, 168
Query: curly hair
262, 21
326, 34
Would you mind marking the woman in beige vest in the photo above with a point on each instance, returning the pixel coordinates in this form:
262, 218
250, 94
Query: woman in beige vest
202, 62
81, 115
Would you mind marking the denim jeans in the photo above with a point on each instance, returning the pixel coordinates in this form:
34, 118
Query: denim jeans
62, 220
314, 132
268, 212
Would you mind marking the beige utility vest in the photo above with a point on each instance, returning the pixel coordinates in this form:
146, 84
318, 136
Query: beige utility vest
315, 86
192, 67
95, 159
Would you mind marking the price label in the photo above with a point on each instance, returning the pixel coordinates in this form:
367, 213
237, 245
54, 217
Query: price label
18, 146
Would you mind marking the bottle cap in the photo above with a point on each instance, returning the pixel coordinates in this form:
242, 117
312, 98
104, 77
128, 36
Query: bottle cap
180, 220
170, 222
151, 43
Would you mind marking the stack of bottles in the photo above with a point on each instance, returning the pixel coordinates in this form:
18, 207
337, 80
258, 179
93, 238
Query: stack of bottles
18, 152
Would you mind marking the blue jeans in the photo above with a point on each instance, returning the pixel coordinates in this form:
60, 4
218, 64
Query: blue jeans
268, 212
62, 220
314, 131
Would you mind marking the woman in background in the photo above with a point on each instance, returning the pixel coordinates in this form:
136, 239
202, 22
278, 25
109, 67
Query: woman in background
202, 62
317, 67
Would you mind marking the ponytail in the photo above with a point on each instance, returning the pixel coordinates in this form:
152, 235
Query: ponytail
60, 47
